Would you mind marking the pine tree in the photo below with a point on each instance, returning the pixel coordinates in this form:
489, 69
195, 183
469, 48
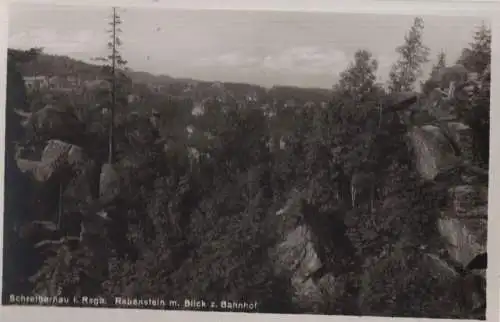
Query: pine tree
413, 54
358, 80
112, 64
431, 83
441, 63
477, 57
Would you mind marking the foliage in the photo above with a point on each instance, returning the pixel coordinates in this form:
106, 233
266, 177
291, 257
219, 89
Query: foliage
477, 57
413, 53
441, 63
358, 80
113, 64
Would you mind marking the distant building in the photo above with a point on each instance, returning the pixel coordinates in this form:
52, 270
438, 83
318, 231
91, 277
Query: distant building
252, 97
309, 104
189, 88
198, 109
282, 143
209, 135
276, 143
218, 85
132, 98
290, 104
190, 130
156, 88
73, 81
268, 110
54, 82
96, 84
59, 83
36, 82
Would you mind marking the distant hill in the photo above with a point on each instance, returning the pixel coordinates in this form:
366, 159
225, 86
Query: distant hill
300, 95
52, 65
55, 65
147, 78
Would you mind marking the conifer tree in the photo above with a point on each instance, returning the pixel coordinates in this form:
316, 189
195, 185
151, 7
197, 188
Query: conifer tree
113, 64
358, 80
431, 83
412, 55
477, 57
441, 62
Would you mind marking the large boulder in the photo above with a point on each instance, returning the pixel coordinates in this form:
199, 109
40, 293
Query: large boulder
463, 224
56, 157
295, 257
62, 166
434, 151
405, 283
53, 122
296, 254
316, 288
110, 183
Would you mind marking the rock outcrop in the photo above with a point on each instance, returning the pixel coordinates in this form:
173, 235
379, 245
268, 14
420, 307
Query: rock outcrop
316, 287
462, 222
413, 278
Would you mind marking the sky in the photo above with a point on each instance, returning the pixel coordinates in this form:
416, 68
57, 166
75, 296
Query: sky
264, 48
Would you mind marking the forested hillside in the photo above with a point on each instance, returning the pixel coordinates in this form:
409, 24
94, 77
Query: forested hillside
54, 65
364, 199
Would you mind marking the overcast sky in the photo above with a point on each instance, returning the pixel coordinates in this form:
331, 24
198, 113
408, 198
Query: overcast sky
265, 48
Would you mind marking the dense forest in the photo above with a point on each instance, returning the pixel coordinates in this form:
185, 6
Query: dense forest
366, 199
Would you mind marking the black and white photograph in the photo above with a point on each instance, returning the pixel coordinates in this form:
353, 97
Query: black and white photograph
259, 162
